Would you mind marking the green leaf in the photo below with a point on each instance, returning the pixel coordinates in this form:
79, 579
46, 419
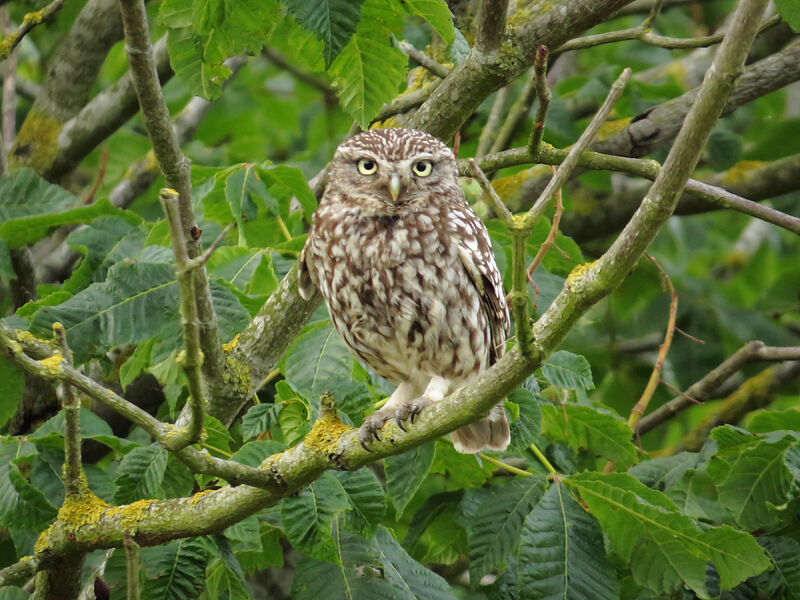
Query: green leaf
570, 371
217, 439
319, 361
107, 240
31, 207
526, 426
405, 473
784, 553
561, 554
13, 385
360, 574
286, 183
187, 55
494, 530
775, 420
259, 419
175, 13
593, 429
308, 517
253, 453
406, 573
675, 549
93, 427
750, 481
136, 302
368, 73
22, 504
180, 568
223, 583
332, 21
789, 11
437, 14
235, 264
141, 474
367, 500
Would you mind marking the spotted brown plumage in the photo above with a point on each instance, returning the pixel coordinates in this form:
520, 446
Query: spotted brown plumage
407, 271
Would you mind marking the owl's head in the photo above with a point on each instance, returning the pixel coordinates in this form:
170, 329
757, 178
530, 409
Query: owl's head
392, 171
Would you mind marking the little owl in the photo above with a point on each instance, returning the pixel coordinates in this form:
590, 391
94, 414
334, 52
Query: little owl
407, 271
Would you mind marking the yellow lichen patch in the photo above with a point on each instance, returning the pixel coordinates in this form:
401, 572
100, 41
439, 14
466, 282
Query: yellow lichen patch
237, 374
577, 273
611, 128
130, 514
741, 171
27, 337
196, 498
33, 18
82, 509
36, 145
232, 344
52, 363
41, 542
325, 432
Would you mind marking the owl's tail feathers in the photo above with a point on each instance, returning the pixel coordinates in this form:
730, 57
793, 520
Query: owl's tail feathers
491, 433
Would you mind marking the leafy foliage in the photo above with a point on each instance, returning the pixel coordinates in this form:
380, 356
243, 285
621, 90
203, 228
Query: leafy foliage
599, 511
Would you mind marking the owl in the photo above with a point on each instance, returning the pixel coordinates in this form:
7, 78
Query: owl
408, 275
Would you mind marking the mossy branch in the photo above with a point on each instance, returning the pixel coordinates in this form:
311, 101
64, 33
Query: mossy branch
29, 21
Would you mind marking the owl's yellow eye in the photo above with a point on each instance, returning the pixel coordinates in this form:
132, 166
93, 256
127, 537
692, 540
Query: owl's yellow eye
422, 168
367, 166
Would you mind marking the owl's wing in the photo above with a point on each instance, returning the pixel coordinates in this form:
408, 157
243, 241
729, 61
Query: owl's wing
305, 276
475, 253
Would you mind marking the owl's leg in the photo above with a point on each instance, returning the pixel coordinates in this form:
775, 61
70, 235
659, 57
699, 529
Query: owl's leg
399, 398
435, 390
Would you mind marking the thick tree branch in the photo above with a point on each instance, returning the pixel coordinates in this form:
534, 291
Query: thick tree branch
482, 73
103, 115
69, 80
423, 59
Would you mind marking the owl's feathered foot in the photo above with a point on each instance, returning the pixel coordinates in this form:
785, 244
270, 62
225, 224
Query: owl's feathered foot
401, 413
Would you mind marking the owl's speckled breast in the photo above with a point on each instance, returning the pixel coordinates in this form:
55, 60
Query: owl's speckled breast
398, 293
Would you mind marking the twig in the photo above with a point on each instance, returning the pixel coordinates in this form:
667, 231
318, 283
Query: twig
191, 358
516, 114
543, 459
21, 570
9, 126
29, 21
644, 34
99, 179
424, 60
74, 483
543, 94
571, 161
756, 392
548, 243
500, 209
132, 567
489, 130
702, 389
175, 167
647, 168
655, 376
275, 57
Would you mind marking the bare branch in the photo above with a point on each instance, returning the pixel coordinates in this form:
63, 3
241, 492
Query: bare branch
490, 128
490, 25
703, 388
424, 60
497, 204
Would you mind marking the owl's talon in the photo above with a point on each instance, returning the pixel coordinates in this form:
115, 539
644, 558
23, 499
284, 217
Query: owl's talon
399, 421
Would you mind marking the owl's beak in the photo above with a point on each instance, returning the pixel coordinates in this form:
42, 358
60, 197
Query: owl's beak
394, 186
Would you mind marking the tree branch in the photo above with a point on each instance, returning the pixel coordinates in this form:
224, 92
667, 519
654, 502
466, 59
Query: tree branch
29, 21
175, 167
423, 59
490, 25
702, 389
756, 392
